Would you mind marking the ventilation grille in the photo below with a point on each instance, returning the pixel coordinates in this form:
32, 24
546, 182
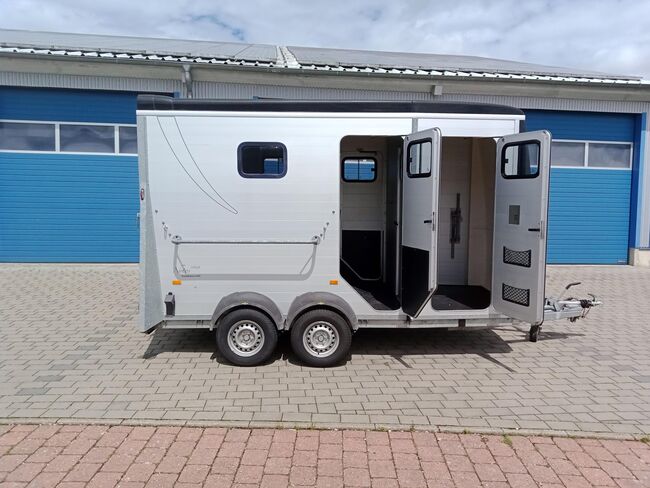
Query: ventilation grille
520, 296
518, 258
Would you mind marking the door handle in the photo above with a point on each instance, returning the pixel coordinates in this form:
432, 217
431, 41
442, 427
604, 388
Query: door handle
431, 221
539, 229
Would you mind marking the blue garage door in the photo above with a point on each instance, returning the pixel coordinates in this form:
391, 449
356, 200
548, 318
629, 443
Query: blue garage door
591, 180
68, 176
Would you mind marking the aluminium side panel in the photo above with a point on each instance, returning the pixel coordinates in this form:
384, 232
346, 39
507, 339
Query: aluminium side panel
151, 304
196, 193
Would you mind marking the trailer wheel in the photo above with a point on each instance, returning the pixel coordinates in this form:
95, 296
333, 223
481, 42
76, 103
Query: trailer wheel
321, 338
246, 337
533, 334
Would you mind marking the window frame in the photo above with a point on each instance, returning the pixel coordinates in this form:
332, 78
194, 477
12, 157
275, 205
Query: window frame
374, 173
243, 174
585, 163
520, 143
57, 138
408, 152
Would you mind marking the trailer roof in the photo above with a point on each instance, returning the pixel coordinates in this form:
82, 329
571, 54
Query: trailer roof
161, 102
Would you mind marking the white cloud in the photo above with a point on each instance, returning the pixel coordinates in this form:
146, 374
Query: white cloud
598, 35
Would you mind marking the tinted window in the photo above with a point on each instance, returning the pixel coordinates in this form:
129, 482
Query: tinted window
20, 136
128, 140
262, 160
87, 138
603, 155
359, 169
520, 160
419, 159
568, 153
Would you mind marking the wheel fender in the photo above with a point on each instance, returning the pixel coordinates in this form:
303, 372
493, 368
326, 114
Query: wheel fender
322, 299
244, 299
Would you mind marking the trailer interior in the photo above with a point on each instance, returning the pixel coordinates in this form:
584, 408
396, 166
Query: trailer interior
370, 205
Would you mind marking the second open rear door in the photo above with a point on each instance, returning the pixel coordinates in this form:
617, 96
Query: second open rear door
420, 175
520, 207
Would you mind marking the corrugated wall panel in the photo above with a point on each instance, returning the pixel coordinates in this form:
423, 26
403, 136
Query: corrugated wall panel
589, 211
203, 89
584, 126
589, 216
67, 105
550, 103
57, 207
55, 80
68, 208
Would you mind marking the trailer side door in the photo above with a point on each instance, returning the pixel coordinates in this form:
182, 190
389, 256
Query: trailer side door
420, 175
520, 224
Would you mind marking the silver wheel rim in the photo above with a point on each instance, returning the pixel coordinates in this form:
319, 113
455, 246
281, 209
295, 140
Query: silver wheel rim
245, 338
320, 339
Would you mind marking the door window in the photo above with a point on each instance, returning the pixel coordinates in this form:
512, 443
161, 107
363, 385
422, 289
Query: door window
419, 159
520, 160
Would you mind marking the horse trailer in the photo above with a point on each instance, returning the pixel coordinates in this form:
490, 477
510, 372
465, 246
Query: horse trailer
319, 218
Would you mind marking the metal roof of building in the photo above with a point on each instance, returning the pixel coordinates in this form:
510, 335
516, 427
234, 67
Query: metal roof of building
289, 57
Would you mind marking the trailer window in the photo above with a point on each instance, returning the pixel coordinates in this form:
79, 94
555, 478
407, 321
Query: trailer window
262, 160
359, 169
419, 159
520, 160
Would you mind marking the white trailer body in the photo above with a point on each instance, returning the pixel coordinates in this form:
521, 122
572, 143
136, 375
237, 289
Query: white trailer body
388, 214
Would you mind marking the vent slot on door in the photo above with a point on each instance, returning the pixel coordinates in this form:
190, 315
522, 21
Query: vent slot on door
518, 258
520, 296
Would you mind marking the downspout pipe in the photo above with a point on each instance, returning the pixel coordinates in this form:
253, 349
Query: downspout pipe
187, 80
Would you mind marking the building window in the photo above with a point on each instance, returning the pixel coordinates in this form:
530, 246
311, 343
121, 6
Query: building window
262, 159
87, 138
36, 136
27, 136
128, 140
607, 155
564, 153
592, 154
359, 169
419, 159
520, 160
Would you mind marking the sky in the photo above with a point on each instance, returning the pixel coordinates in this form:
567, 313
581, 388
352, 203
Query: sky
611, 36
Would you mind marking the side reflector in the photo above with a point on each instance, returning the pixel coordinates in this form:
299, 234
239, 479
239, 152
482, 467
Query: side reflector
176, 282
334, 282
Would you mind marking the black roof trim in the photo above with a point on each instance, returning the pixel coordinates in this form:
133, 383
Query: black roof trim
160, 102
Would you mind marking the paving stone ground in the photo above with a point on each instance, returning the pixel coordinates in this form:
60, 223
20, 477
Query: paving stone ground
72, 456
70, 351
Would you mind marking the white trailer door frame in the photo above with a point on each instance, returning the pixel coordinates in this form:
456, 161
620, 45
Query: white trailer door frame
520, 225
420, 177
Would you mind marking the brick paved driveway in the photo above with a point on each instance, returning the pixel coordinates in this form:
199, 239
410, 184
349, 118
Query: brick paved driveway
76, 456
70, 351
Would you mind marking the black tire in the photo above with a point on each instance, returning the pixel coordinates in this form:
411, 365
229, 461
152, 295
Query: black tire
324, 323
251, 324
533, 334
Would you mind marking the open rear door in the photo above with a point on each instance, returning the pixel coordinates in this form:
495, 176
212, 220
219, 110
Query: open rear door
521, 202
420, 173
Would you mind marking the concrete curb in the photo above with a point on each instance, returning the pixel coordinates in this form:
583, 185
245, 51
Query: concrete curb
322, 426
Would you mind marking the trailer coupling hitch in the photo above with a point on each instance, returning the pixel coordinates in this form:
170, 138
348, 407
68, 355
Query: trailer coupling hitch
570, 308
